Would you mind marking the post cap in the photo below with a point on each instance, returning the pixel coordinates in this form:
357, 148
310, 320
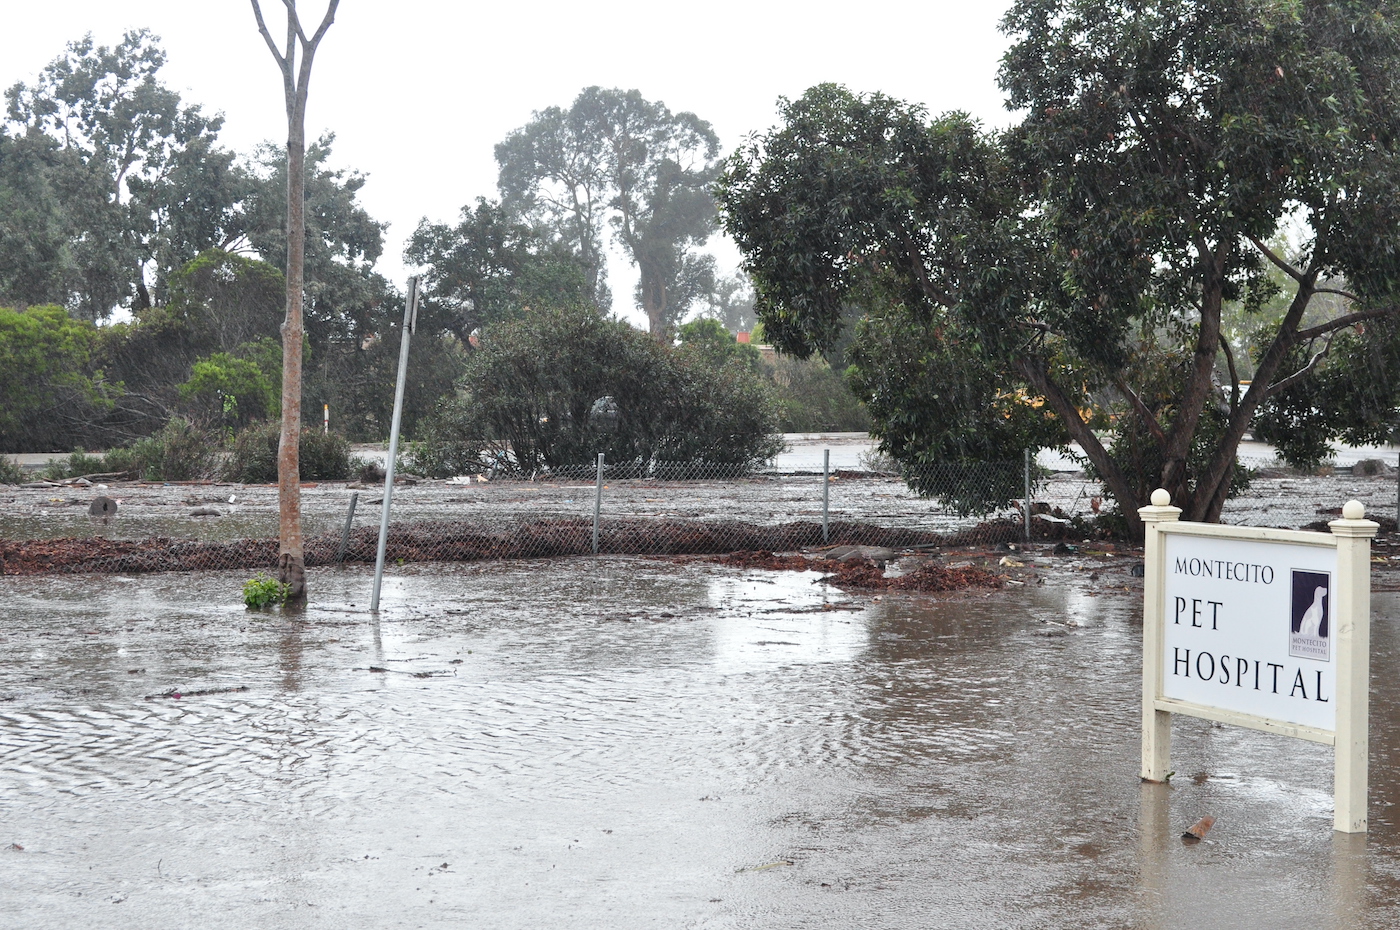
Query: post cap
1161, 498
1353, 510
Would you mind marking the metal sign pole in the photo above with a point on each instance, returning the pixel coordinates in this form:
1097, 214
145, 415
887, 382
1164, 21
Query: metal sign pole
410, 319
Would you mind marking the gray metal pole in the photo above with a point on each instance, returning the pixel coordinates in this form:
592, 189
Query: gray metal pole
345, 536
410, 317
598, 503
826, 495
1028, 495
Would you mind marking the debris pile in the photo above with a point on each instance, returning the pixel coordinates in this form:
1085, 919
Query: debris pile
866, 574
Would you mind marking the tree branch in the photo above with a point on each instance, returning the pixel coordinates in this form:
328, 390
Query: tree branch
267, 37
325, 24
1080, 432
293, 20
1342, 322
1280, 386
1234, 378
1338, 291
1148, 418
1283, 265
916, 261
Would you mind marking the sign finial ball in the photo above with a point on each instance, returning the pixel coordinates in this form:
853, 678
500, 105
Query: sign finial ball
1353, 510
1160, 498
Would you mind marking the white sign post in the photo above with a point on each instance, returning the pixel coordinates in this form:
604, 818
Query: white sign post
1261, 628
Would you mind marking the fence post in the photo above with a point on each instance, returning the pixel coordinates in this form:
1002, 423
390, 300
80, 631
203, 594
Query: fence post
597, 503
1028, 495
345, 536
826, 495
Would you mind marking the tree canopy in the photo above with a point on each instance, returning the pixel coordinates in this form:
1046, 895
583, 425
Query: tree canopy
108, 181
47, 377
491, 266
1079, 261
619, 159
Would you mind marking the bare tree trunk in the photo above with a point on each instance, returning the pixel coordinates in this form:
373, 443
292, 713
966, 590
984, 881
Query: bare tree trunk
291, 559
1118, 484
1213, 486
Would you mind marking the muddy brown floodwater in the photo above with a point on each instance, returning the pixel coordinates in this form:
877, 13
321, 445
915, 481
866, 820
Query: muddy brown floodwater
637, 743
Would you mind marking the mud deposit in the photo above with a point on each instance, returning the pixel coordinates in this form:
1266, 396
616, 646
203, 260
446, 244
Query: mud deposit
639, 743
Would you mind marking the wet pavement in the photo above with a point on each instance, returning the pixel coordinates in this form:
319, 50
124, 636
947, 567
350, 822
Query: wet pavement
635, 743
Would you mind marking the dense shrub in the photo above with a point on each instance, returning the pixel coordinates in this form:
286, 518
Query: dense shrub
322, 456
178, 451
549, 391
10, 473
77, 464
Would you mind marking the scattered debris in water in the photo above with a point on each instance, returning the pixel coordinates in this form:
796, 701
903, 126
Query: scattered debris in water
865, 575
176, 694
1198, 830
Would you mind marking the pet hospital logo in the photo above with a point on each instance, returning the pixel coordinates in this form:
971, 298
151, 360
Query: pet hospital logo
1310, 632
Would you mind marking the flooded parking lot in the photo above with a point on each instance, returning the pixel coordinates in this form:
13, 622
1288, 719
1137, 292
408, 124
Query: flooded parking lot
640, 743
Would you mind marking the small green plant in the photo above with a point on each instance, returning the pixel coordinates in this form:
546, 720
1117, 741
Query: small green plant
261, 592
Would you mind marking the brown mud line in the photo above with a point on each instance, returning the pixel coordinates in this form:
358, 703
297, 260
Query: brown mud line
465, 542
864, 575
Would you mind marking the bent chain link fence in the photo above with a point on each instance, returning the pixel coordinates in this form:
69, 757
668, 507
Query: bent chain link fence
671, 509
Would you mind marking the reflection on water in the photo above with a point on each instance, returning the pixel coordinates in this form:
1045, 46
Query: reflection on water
636, 743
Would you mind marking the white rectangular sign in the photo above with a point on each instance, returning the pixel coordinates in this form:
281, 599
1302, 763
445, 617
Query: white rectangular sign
1249, 626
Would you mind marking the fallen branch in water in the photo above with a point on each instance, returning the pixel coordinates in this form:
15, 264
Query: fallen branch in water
176, 694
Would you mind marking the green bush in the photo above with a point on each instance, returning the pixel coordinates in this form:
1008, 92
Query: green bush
535, 397
322, 456
225, 388
178, 451
10, 473
77, 464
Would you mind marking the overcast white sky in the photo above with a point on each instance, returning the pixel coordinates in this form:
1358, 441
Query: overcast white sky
418, 92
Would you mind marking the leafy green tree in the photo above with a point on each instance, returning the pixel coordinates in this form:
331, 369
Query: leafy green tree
228, 390
618, 158
131, 180
37, 264
492, 266
708, 338
1083, 257
50, 386
218, 302
342, 292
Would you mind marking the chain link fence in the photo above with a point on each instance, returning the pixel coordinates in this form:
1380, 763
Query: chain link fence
666, 509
